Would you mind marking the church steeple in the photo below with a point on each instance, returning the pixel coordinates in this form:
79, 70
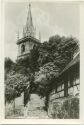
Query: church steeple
29, 29
28, 40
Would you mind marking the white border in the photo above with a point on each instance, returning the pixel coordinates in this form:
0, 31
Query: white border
40, 121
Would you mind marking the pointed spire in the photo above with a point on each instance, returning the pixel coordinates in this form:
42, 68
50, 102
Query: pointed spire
29, 28
29, 17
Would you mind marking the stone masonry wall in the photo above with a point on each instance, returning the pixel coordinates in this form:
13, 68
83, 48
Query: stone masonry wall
64, 108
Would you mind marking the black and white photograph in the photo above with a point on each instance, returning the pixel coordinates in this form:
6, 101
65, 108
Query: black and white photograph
42, 60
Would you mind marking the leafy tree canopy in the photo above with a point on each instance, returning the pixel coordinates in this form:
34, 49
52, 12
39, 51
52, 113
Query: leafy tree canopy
41, 66
15, 84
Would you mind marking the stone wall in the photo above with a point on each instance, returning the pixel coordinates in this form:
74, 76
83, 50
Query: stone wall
15, 108
64, 108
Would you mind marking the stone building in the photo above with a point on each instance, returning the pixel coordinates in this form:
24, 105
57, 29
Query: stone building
29, 40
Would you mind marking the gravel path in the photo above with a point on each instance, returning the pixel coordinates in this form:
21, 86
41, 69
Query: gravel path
35, 108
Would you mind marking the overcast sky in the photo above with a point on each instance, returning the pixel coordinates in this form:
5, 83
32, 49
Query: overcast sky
50, 18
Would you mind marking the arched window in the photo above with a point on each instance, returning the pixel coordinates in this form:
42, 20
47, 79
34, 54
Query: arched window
22, 48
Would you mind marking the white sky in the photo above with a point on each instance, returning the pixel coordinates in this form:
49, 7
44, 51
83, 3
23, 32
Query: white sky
50, 18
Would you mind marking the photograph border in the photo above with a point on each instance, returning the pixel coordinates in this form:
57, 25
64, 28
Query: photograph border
41, 121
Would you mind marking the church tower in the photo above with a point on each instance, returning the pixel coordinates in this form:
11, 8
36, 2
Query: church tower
27, 42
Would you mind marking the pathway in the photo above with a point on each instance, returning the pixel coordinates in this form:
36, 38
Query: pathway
34, 107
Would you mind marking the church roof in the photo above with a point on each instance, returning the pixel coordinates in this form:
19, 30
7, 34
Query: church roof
28, 38
28, 30
73, 62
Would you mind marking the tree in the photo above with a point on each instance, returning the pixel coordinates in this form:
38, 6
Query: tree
54, 55
8, 65
33, 58
62, 50
44, 54
67, 50
15, 84
40, 67
43, 78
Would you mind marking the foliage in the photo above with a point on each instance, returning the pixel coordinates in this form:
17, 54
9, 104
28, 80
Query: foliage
43, 78
15, 84
54, 55
34, 55
8, 65
23, 62
58, 50
48, 70
40, 67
